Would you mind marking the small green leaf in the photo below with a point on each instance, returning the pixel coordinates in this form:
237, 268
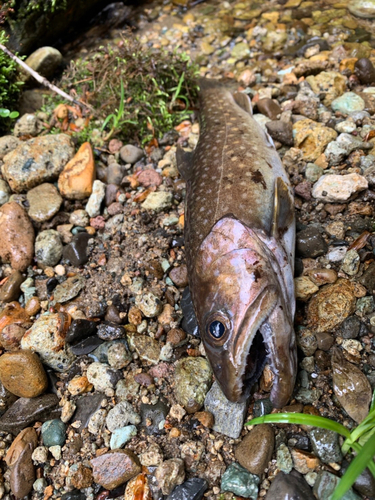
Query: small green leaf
14, 114
4, 113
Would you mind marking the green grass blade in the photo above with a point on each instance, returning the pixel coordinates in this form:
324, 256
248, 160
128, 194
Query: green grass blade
107, 120
301, 419
360, 462
356, 434
122, 103
372, 406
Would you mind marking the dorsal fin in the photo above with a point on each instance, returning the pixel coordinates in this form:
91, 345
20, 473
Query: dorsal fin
243, 102
283, 208
184, 162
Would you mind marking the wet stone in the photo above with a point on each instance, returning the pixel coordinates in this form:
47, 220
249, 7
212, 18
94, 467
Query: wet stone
192, 489
326, 445
310, 243
74, 495
44, 201
121, 415
284, 459
229, 417
115, 468
86, 346
262, 407
239, 481
86, 407
324, 340
350, 328
48, 248
179, 276
192, 382
365, 70
26, 411
362, 8
365, 482
19, 461
110, 331
68, 289
289, 486
368, 278
153, 417
76, 179
102, 376
80, 329
255, 450
325, 485
281, 131
76, 251
170, 474
53, 433
11, 290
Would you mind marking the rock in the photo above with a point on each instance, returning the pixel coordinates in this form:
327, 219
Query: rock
324, 340
110, 331
74, 495
303, 461
80, 329
345, 144
281, 131
351, 387
7, 144
147, 348
255, 450
312, 138
192, 489
362, 8
96, 423
179, 276
96, 198
86, 407
47, 338
153, 417
304, 288
127, 388
115, 173
27, 125
18, 459
17, 240
102, 376
338, 188
69, 289
53, 433
229, 417
347, 103
26, 411
22, 373
77, 178
138, 487
240, 50
4, 192
131, 154
331, 83
10, 289
44, 201
36, 161
119, 356
121, 436
149, 177
325, 485
239, 481
170, 474
149, 304
44, 61
326, 445
331, 305
269, 108
158, 201
79, 218
284, 460
365, 482
115, 468
351, 262
310, 243
82, 476
121, 414
193, 378
368, 278
48, 248
289, 486
86, 346
76, 251
365, 70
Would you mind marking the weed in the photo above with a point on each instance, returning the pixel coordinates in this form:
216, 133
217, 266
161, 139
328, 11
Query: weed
358, 440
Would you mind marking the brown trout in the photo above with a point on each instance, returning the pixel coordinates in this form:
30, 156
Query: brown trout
239, 240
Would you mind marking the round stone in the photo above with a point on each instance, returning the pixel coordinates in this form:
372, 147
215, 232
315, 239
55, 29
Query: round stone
45, 202
255, 450
48, 248
53, 433
362, 8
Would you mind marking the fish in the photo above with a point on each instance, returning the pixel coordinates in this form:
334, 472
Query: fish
239, 243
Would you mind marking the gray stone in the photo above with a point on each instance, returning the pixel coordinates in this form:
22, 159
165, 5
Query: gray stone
325, 485
239, 481
45, 201
326, 445
362, 8
28, 124
121, 415
284, 459
44, 61
68, 289
289, 487
193, 378
4, 192
7, 144
102, 376
48, 248
131, 154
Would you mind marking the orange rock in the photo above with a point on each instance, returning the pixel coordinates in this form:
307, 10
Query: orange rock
138, 489
13, 313
76, 180
22, 373
79, 385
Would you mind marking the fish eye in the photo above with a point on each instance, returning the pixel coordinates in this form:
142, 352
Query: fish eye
216, 329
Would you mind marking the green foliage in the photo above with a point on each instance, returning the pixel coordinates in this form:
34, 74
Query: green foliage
358, 440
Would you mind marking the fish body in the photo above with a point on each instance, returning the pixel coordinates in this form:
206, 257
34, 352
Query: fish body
239, 240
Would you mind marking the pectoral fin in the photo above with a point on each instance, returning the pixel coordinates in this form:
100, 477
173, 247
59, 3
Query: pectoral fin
184, 163
243, 102
283, 208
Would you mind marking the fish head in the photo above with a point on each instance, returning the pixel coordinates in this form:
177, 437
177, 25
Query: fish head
236, 293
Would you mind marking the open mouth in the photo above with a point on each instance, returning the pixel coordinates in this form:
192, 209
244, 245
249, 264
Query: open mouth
255, 361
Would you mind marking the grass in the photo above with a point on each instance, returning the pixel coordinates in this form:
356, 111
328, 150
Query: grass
358, 440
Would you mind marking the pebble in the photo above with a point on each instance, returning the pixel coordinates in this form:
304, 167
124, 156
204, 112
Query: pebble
269, 108
53, 433
4, 192
79, 218
115, 173
121, 436
350, 386
76, 251
44, 61
312, 138
74, 495
350, 264
313, 172
80, 329
147, 348
310, 243
149, 304
138, 488
229, 417
322, 276
239, 481
362, 8
36, 161
289, 486
79, 385
326, 483
7, 144
255, 450
325, 445
338, 188
179, 276
121, 415
17, 240
77, 178
303, 461
284, 460
189, 322
44, 201
170, 474
331, 305
158, 201
119, 356
26, 411
48, 248
110, 331
47, 338
10, 290
324, 340
347, 103
281, 131
192, 489
304, 288
153, 417
131, 154
149, 177
115, 468
69, 289
365, 70
96, 198
22, 373
329, 83
193, 378
19, 461
365, 482
102, 376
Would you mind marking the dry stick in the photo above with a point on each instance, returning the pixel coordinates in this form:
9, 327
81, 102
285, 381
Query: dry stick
40, 78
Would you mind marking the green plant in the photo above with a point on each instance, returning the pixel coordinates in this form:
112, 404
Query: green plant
117, 118
358, 440
6, 113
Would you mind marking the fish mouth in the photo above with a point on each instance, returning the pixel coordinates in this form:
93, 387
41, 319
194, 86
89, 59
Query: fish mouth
255, 362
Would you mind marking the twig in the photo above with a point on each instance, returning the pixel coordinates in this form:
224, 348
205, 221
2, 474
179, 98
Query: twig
41, 79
